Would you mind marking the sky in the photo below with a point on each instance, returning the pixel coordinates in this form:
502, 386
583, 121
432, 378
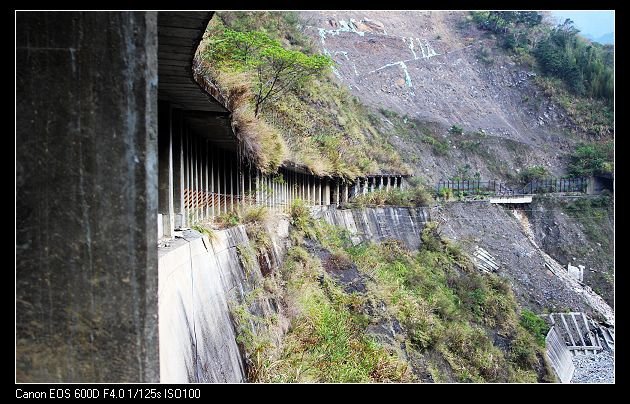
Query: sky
589, 22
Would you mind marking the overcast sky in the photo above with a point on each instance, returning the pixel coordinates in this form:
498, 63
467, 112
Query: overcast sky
595, 23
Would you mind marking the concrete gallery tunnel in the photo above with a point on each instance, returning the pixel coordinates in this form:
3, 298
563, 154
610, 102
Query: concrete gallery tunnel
119, 143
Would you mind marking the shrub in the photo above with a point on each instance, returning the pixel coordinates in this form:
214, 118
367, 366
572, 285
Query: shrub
456, 130
228, 219
535, 325
533, 173
593, 158
247, 257
300, 215
204, 230
431, 240
255, 214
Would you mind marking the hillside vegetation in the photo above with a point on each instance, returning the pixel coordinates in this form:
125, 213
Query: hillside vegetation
342, 303
286, 105
577, 73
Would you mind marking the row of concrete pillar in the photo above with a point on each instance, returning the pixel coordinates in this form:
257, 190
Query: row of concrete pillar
378, 182
199, 180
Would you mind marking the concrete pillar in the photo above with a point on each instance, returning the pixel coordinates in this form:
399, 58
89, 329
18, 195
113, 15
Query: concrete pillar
178, 169
198, 180
86, 201
265, 191
165, 166
231, 168
272, 194
224, 191
212, 180
206, 188
381, 182
188, 164
387, 183
364, 185
202, 178
371, 181
195, 174
319, 192
171, 196
185, 183
258, 187
217, 156
286, 192
241, 192
249, 180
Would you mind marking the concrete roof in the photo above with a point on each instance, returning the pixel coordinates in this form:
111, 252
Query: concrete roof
179, 35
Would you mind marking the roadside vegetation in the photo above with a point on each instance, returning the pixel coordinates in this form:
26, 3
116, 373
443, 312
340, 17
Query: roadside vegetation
574, 72
285, 103
454, 323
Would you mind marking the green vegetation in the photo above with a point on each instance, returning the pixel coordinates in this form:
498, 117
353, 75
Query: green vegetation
593, 158
204, 230
414, 129
415, 196
447, 307
513, 26
535, 325
450, 315
284, 105
456, 130
533, 173
325, 342
576, 73
247, 257
228, 219
277, 70
593, 213
585, 67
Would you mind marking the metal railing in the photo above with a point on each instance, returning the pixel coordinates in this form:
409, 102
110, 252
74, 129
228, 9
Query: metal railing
497, 188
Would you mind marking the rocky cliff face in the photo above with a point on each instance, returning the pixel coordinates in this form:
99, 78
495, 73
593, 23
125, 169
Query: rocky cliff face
436, 67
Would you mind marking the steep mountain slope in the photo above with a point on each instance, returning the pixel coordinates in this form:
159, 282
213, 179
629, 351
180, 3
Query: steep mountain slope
437, 68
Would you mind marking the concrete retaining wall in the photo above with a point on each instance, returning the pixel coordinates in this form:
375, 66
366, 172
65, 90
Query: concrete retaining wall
559, 356
198, 281
378, 224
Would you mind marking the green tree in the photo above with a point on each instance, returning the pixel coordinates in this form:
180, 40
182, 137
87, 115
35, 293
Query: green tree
592, 158
277, 69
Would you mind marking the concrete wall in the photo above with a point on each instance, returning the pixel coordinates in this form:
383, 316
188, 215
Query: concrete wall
559, 356
378, 224
199, 280
86, 197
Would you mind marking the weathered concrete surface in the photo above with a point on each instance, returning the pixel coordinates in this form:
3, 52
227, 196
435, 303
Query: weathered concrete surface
199, 280
378, 224
86, 197
559, 356
197, 339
